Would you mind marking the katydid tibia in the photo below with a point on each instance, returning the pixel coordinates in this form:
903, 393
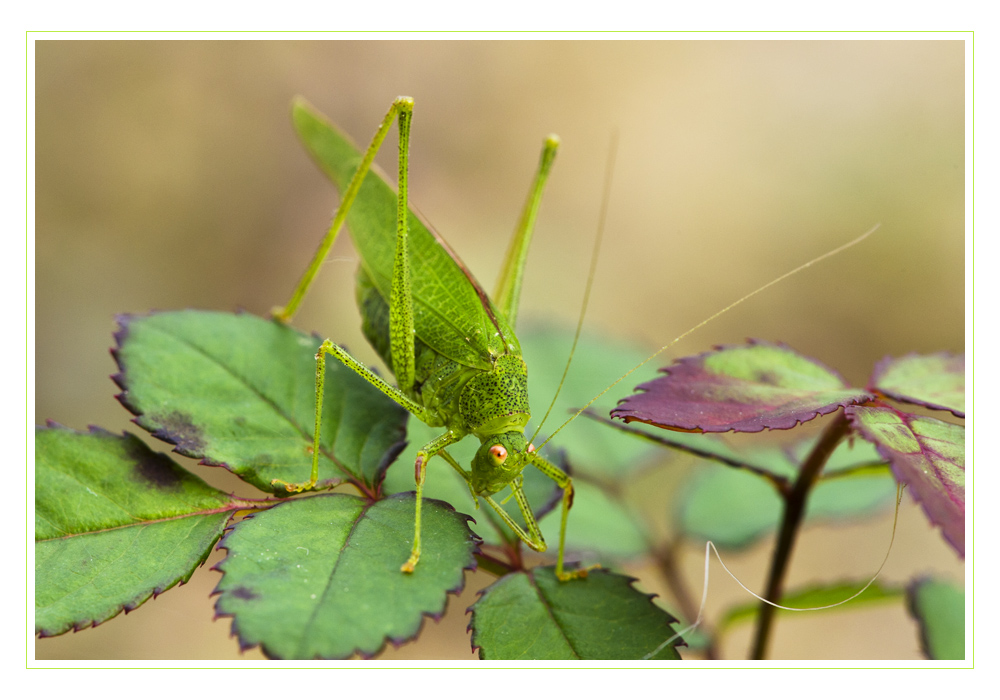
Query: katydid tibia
452, 348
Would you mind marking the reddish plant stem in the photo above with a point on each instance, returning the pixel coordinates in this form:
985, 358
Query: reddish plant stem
495, 566
795, 499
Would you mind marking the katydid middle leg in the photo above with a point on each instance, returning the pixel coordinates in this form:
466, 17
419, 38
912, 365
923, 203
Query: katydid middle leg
402, 308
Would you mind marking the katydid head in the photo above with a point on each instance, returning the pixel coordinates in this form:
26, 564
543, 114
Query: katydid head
499, 460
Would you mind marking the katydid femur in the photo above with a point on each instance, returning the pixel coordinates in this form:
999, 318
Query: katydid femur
452, 348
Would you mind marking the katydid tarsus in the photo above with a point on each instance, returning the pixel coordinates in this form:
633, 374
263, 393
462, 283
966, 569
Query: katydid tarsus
452, 349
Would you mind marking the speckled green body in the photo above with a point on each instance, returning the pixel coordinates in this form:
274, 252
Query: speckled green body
453, 351
465, 400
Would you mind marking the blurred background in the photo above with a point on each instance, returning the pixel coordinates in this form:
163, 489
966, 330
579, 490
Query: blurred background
168, 176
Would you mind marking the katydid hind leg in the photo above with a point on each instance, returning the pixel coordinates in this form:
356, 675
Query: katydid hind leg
401, 334
285, 314
507, 295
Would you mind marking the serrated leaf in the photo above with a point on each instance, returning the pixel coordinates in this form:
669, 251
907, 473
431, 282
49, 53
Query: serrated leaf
532, 615
939, 608
926, 454
238, 391
115, 523
746, 388
936, 381
817, 597
734, 508
319, 577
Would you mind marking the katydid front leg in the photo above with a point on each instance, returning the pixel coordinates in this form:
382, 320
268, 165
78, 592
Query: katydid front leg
565, 482
399, 106
533, 537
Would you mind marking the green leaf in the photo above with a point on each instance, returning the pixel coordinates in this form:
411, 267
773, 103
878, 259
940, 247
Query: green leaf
237, 391
816, 597
531, 615
598, 525
939, 608
319, 577
746, 388
115, 523
935, 381
734, 508
926, 454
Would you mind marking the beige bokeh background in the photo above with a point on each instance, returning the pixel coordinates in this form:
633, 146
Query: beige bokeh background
168, 176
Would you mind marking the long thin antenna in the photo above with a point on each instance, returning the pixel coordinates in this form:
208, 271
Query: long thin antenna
594, 257
704, 591
714, 316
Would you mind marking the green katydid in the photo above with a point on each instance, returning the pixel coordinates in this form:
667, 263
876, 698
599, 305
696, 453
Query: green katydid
452, 348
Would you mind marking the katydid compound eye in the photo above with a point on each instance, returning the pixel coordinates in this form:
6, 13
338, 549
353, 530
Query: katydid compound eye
499, 453
531, 448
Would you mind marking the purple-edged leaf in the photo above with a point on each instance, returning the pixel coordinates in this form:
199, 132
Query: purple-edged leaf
926, 454
319, 577
237, 391
115, 523
531, 615
936, 381
939, 608
745, 388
